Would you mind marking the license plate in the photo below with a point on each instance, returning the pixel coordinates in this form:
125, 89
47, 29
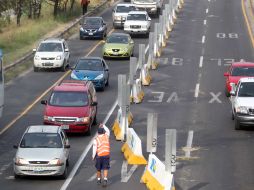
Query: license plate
90, 34
37, 169
114, 53
66, 127
48, 64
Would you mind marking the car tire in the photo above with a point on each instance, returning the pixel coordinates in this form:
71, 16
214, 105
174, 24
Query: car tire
95, 120
107, 83
237, 125
63, 68
89, 131
65, 174
36, 69
232, 115
16, 176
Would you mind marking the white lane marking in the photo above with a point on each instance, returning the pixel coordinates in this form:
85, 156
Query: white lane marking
189, 144
215, 98
93, 177
206, 11
208, 0
84, 153
204, 22
10, 177
201, 61
203, 39
165, 61
147, 47
158, 97
125, 175
173, 97
196, 90
242, 60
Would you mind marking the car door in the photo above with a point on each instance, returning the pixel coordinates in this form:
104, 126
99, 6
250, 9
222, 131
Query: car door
106, 71
104, 25
66, 53
65, 142
92, 109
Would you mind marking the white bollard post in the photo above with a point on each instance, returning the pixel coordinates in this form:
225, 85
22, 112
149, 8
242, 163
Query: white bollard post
152, 120
170, 150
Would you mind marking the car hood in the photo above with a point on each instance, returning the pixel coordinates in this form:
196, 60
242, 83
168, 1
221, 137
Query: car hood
48, 54
41, 154
121, 14
115, 46
245, 101
144, 3
86, 74
88, 27
58, 111
136, 22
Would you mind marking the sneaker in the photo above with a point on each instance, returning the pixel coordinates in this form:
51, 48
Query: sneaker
105, 182
98, 181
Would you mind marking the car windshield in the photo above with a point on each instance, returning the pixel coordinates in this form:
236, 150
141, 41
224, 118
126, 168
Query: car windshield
136, 17
68, 99
246, 89
144, 1
124, 9
117, 39
92, 21
243, 71
89, 64
41, 140
50, 47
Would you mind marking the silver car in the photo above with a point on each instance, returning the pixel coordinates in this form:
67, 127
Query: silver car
42, 151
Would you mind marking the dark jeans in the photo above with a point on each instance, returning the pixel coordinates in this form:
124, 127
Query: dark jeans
102, 163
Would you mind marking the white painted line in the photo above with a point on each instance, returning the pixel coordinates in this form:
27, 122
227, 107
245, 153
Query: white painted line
196, 90
201, 61
209, 0
93, 177
147, 47
84, 153
203, 39
204, 22
189, 144
125, 176
206, 11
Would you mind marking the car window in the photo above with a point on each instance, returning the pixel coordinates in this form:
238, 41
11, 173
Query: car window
117, 39
136, 17
50, 47
92, 21
242, 71
246, 89
89, 64
68, 99
41, 140
63, 137
124, 9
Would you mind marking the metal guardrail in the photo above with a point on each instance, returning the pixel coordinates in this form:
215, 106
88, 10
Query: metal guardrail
30, 54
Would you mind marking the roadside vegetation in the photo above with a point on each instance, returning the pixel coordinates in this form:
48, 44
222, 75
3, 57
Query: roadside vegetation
21, 31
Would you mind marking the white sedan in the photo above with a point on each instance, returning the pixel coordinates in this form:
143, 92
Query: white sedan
137, 22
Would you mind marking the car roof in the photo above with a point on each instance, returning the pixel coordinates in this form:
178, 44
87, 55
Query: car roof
243, 64
72, 85
119, 34
94, 17
125, 4
60, 40
247, 79
43, 129
137, 12
91, 58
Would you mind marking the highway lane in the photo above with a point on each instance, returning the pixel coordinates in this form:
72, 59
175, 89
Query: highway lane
35, 84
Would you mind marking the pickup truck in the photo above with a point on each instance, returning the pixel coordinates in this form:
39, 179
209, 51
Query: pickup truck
152, 7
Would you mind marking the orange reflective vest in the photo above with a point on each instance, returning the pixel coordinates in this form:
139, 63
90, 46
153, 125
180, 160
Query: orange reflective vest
103, 147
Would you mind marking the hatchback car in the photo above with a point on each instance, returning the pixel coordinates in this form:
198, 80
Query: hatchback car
93, 27
237, 71
94, 69
42, 151
137, 22
72, 105
118, 45
51, 53
120, 13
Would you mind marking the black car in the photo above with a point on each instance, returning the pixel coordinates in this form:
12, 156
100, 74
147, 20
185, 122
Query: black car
93, 27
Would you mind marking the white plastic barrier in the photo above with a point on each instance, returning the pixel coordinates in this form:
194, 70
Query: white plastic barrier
118, 126
145, 75
137, 94
132, 149
156, 177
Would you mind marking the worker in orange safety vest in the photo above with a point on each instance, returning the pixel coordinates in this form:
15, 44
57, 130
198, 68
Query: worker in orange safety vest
101, 153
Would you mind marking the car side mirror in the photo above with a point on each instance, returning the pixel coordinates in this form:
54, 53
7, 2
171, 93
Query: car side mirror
106, 69
66, 50
149, 19
232, 93
67, 146
94, 103
15, 146
132, 42
34, 50
226, 74
44, 102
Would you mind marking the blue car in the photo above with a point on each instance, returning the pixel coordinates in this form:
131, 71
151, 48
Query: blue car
93, 27
94, 69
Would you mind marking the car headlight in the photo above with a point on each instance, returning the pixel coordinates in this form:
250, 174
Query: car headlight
56, 162
73, 76
49, 118
21, 161
100, 29
37, 57
107, 49
242, 109
117, 17
59, 57
99, 77
82, 29
84, 120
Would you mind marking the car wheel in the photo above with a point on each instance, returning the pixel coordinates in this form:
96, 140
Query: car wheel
36, 69
63, 68
16, 176
89, 131
232, 115
65, 174
107, 83
95, 120
237, 125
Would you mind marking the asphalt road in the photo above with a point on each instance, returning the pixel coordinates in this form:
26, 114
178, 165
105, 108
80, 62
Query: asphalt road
187, 91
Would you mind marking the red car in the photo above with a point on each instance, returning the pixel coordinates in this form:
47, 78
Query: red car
72, 105
237, 71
